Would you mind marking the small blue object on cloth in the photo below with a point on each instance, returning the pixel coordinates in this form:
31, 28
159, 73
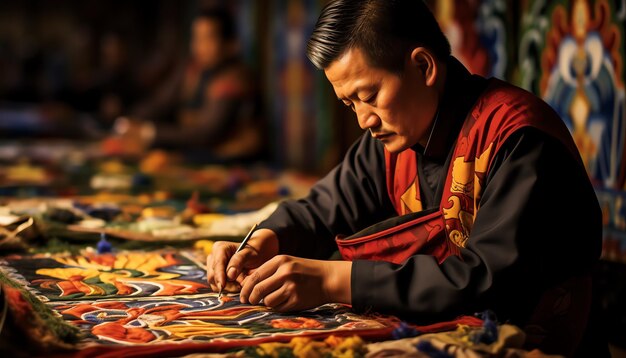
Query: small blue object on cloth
103, 245
489, 332
404, 331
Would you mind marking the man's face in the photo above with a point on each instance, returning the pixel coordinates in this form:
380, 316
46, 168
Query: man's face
206, 42
398, 109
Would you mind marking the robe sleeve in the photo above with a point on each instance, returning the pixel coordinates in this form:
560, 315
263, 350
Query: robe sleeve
351, 197
161, 105
212, 122
539, 223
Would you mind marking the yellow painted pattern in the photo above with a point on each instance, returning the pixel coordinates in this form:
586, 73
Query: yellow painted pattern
466, 190
409, 200
198, 328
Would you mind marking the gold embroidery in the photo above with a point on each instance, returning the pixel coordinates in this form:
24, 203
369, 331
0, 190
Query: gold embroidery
458, 238
466, 190
454, 210
409, 200
462, 176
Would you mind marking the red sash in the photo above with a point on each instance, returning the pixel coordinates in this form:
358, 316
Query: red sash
396, 239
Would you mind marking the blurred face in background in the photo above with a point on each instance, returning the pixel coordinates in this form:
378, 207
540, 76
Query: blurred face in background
208, 48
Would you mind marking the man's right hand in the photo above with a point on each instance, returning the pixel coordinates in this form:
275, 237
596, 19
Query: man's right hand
224, 267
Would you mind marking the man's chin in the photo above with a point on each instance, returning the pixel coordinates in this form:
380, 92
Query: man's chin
394, 147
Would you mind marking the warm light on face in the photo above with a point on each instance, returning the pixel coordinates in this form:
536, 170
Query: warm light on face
206, 42
397, 109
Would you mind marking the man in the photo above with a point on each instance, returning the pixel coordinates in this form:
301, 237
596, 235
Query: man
213, 99
479, 196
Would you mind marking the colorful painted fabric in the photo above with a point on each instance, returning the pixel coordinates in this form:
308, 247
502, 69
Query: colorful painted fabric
158, 303
111, 275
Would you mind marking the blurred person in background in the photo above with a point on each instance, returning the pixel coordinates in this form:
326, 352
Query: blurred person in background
209, 110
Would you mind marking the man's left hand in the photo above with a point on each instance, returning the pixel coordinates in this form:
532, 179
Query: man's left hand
287, 283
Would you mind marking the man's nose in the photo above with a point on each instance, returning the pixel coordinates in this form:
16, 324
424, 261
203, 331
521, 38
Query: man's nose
367, 119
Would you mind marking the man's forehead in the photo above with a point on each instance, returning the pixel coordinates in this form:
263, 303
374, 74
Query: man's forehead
349, 67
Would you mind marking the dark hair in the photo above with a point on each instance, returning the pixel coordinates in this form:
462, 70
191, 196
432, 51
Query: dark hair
224, 18
384, 29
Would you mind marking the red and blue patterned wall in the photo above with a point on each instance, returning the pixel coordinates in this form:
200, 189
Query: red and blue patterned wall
571, 53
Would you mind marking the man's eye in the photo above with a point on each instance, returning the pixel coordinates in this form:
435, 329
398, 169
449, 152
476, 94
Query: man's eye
370, 99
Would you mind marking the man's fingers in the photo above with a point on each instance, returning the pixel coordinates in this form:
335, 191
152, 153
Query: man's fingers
260, 283
262, 289
277, 299
232, 272
213, 287
217, 261
210, 273
237, 263
242, 275
232, 287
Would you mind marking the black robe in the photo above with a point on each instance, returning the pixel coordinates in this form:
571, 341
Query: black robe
539, 212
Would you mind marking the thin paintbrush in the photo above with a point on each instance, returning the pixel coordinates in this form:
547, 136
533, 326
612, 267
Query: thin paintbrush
241, 246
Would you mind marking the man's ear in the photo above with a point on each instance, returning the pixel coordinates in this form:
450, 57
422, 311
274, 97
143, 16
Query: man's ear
424, 60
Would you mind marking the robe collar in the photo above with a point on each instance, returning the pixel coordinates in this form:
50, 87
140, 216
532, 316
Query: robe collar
461, 90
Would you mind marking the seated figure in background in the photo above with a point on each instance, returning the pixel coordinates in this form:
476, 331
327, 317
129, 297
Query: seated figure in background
209, 110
